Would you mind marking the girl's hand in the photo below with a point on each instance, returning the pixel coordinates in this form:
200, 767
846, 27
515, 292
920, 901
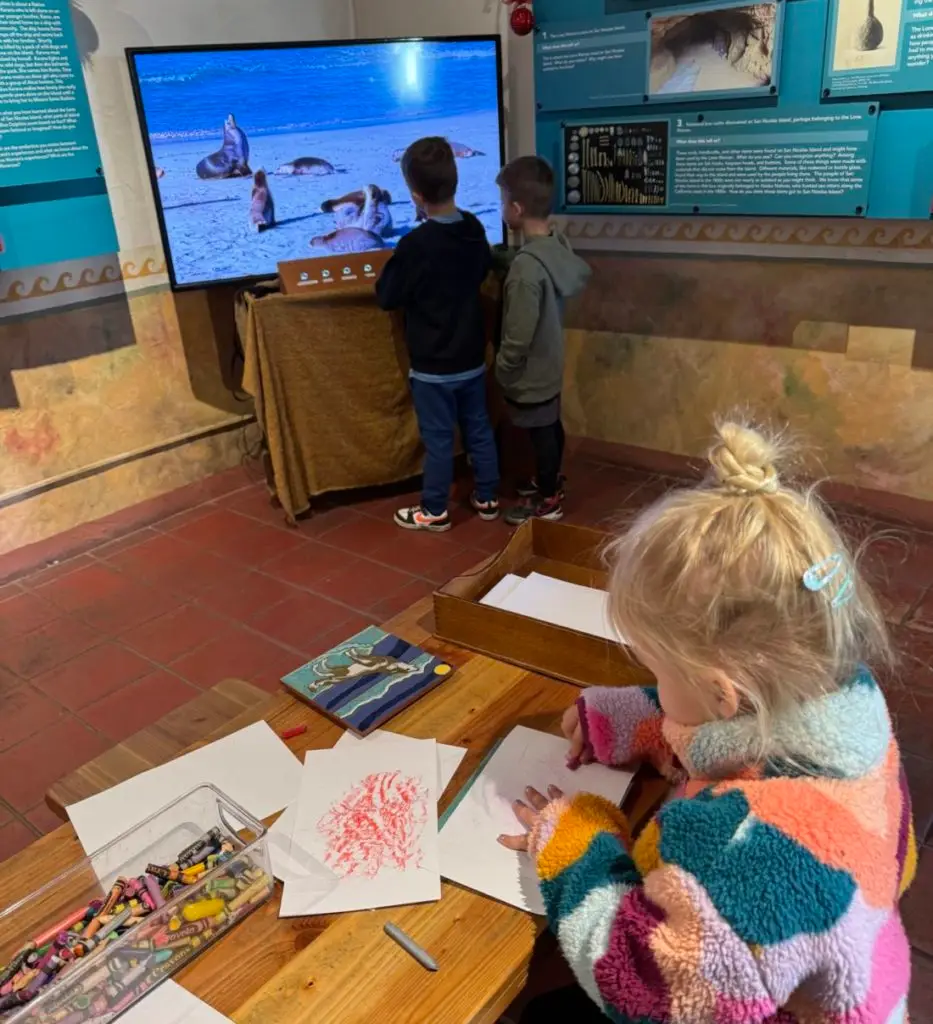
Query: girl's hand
528, 815
570, 726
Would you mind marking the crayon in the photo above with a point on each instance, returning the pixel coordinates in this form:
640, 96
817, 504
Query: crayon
18, 960
203, 908
63, 926
290, 734
152, 887
247, 895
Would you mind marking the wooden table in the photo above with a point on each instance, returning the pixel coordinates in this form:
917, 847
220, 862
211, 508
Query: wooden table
341, 969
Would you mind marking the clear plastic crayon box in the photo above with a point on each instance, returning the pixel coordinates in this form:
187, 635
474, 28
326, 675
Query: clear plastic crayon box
107, 931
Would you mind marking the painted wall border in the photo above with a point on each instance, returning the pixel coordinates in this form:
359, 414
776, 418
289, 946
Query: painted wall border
891, 241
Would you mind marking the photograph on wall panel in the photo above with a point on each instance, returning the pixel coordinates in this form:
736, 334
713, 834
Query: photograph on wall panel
715, 50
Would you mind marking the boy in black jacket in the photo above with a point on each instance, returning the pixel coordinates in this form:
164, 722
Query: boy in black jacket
434, 276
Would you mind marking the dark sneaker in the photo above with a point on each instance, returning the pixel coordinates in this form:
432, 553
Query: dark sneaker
486, 510
544, 508
416, 518
529, 488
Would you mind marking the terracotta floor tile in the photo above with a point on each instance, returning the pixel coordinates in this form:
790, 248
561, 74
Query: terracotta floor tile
920, 778
245, 597
324, 520
362, 535
256, 503
458, 564
57, 570
28, 769
401, 599
124, 543
137, 705
85, 588
26, 712
363, 586
418, 553
93, 675
297, 621
235, 654
43, 818
170, 563
239, 538
916, 904
170, 636
309, 564
5, 813
912, 714
474, 533
33, 653
24, 612
139, 604
269, 677
7, 682
14, 837
190, 515
920, 1000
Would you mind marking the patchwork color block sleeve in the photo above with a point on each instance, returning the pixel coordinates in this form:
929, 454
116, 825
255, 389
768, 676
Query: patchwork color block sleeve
622, 725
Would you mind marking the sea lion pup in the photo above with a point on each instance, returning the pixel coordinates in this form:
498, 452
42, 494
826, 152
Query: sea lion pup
160, 172
367, 208
347, 240
232, 159
307, 165
262, 207
460, 149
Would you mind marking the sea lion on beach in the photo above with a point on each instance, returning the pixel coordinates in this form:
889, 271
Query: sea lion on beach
262, 207
460, 149
347, 240
367, 208
307, 165
232, 159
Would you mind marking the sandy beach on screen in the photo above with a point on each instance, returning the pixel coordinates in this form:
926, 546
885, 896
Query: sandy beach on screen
208, 221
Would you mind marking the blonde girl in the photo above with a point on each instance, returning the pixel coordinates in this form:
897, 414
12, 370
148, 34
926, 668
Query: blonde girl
767, 888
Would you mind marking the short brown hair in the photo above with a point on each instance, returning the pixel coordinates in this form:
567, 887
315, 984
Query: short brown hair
529, 181
430, 169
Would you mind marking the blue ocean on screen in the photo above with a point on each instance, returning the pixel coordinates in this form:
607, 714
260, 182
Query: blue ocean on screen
264, 155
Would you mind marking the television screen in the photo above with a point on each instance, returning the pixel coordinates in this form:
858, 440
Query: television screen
261, 154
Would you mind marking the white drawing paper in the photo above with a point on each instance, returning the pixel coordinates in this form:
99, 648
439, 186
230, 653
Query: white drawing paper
497, 594
448, 757
169, 1003
469, 851
585, 609
251, 766
369, 813
290, 862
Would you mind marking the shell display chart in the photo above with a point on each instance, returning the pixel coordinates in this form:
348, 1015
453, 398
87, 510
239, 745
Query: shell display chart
616, 164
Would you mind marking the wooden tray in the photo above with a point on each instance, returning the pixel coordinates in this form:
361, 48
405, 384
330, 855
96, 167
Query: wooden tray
570, 553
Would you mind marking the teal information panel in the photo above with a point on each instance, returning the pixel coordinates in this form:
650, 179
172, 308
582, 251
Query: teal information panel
878, 47
809, 161
53, 199
592, 63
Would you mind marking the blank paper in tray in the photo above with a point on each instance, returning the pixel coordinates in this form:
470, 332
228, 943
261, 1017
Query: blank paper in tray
470, 854
584, 609
252, 766
497, 594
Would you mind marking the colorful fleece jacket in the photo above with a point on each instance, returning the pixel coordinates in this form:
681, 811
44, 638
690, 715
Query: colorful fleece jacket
759, 893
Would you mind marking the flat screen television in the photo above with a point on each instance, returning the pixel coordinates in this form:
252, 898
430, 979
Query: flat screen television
327, 124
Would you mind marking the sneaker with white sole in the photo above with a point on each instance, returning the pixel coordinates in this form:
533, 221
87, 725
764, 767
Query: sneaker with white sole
418, 518
529, 488
486, 510
543, 508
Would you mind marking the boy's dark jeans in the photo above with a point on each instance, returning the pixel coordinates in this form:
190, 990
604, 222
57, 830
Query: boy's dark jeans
440, 408
548, 444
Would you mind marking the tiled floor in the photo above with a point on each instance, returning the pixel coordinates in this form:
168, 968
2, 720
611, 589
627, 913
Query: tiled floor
96, 646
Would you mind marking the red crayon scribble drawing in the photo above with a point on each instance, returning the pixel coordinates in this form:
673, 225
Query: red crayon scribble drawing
377, 824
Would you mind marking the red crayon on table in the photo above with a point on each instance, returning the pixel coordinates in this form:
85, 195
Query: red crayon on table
290, 734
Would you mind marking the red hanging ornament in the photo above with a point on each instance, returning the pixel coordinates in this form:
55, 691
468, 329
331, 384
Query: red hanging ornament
522, 20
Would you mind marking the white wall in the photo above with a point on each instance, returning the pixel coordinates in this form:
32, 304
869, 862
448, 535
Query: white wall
377, 19
116, 24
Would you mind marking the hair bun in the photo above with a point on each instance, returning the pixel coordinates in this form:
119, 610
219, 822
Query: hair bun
743, 460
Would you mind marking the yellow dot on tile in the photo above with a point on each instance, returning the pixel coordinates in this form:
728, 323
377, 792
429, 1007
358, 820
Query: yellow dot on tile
442, 670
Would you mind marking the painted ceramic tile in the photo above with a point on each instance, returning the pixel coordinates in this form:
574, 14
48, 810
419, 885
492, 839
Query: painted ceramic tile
366, 680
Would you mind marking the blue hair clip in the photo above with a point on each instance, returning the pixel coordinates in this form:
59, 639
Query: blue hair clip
831, 572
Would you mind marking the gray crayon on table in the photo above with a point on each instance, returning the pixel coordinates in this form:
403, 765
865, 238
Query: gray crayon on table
410, 946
